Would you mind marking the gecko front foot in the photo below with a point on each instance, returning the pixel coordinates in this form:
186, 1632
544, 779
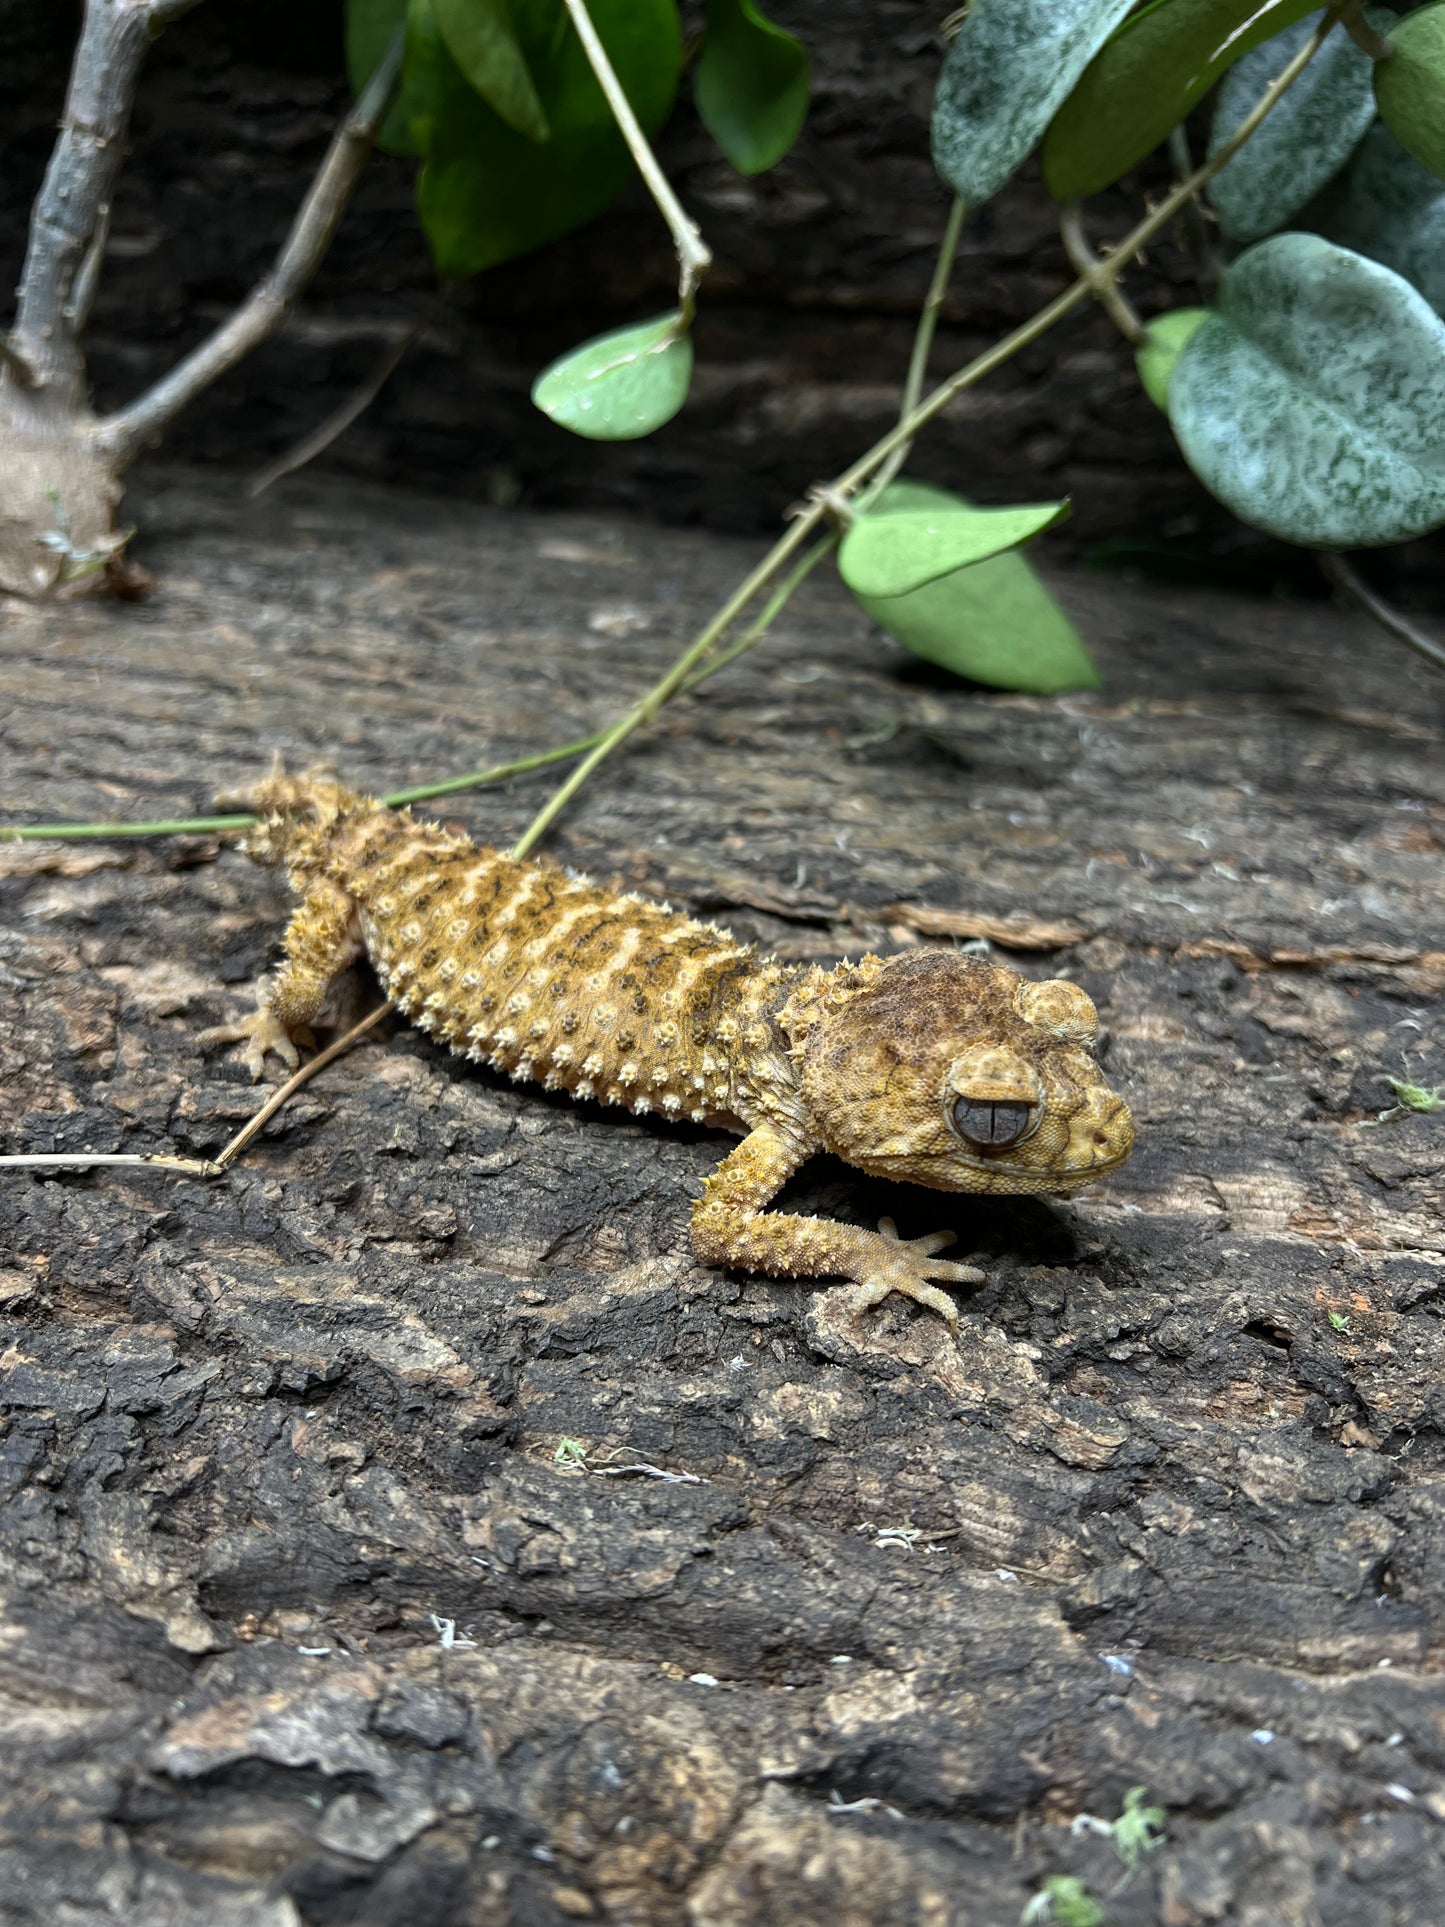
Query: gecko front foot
257, 1034
905, 1266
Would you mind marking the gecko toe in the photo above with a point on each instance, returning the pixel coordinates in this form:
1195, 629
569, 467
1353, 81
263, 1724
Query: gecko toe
257, 1035
872, 1292
926, 1246
909, 1267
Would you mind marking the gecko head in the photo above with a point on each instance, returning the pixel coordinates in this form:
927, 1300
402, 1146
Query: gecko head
943, 1070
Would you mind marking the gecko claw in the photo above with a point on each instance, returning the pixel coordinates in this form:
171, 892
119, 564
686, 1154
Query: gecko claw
257, 1035
907, 1268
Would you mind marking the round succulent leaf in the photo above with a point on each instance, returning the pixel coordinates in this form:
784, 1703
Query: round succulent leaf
621, 385
1010, 65
902, 549
995, 622
1312, 400
1410, 86
751, 85
480, 38
370, 25
1387, 206
1306, 137
1163, 343
487, 193
1144, 81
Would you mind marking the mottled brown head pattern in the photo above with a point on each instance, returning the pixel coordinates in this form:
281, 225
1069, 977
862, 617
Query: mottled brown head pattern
950, 1072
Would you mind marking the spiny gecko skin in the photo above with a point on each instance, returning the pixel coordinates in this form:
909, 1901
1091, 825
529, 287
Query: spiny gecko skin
932, 1066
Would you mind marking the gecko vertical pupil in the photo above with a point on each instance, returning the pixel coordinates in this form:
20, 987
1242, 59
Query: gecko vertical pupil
989, 1122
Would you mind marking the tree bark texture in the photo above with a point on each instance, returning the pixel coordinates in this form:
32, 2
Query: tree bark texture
305, 1621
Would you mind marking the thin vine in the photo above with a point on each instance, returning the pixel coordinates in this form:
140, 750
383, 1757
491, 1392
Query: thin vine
704, 655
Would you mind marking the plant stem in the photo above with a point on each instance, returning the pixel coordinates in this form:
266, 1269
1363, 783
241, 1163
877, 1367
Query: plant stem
83, 1160
115, 37
900, 436
1364, 35
80, 832
694, 257
1338, 572
124, 434
212, 825
1086, 265
254, 1125
498, 773
317, 440
923, 341
647, 707
1132, 244
696, 662
424, 792
767, 615
912, 389
1193, 227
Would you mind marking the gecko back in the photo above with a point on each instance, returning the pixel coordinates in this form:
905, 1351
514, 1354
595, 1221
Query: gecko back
524, 966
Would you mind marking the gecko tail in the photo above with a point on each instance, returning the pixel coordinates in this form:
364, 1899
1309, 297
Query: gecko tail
317, 792
292, 809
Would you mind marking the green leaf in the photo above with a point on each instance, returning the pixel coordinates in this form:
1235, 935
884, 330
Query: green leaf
1161, 347
889, 554
994, 622
480, 39
430, 78
1388, 207
1410, 87
620, 385
370, 25
1307, 136
1073, 1904
1010, 66
1145, 81
1312, 401
751, 85
486, 192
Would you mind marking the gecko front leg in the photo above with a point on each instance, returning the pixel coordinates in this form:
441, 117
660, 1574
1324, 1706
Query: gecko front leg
322, 939
729, 1227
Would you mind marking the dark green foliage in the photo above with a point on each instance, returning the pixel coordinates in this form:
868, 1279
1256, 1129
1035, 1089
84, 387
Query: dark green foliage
751, 85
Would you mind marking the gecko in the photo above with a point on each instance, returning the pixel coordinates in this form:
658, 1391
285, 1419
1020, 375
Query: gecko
932, 1066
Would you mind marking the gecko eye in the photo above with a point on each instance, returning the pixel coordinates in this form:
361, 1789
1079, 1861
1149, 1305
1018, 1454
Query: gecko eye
985, 1121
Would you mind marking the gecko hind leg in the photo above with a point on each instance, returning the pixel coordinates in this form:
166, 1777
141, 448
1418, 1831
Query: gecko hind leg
322, 940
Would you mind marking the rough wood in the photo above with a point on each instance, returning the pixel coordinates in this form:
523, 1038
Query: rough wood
1173, 1526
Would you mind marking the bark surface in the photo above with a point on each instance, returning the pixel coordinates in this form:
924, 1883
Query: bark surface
305, 1620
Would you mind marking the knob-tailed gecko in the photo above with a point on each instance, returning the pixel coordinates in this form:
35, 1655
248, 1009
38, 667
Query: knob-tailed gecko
931, 1066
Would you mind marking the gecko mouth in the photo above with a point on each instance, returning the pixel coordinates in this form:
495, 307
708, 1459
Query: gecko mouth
1005, 1176
1026, 1179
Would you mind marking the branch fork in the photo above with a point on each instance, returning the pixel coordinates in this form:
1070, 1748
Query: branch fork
60, 465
